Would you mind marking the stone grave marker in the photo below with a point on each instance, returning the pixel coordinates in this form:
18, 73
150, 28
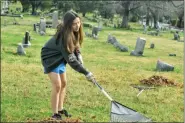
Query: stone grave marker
139, 48
95, 31
176, 36
163, 66
42, 28
20, 50
152, 45
26, 40
55, 19
116, 44
34, 27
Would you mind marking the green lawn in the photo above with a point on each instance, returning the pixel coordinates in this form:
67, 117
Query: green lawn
25, 90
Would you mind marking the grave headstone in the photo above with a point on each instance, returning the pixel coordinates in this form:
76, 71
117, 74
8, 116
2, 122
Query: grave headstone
42, 25
119, 46
20, 50
176, 36
34, 27
26, 40
55, 19
95, 31
145, 28
152, 45
163, 66
100, 25
116, 44
172, 54
139, 48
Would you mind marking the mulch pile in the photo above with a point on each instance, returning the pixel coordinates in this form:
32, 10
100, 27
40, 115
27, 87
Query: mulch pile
159, 80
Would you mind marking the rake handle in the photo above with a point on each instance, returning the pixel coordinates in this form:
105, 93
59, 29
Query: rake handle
102, 90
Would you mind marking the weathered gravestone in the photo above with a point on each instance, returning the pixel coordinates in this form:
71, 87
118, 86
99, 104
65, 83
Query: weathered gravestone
42, 28
88, 34
100, 25
152, 45
176, 36
20, 50
116, 44
35, 27
139, 48
145, 28
95, 31
55, 19
163, 66
172, 54
26, 40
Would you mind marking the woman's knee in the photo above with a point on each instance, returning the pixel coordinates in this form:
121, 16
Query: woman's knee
57, 87
63, 83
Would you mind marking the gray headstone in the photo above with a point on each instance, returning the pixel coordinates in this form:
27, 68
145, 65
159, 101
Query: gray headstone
42, 25
109, 38
172, 54
162, 66
145, 28
176, 36
119, 46
116, 44
26, 40
152, 45
20, 50
95, 31
42, 33
100, 25
34, 27
139, 48
55, 19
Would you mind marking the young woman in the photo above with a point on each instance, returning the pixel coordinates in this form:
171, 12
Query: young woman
61, 49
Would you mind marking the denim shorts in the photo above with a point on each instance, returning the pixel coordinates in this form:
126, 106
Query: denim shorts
61, 68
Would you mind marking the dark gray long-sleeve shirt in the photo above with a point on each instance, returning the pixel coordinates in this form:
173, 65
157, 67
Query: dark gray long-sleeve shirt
53, 54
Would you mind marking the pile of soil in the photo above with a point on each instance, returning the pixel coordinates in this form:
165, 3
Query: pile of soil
159, 80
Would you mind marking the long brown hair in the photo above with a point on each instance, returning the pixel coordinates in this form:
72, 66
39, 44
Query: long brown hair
71, 40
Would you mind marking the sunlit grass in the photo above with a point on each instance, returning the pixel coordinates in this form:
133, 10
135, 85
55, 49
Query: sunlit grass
26, 90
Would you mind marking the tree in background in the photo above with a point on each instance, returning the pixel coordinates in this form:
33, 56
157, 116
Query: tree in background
124, 8
85, 6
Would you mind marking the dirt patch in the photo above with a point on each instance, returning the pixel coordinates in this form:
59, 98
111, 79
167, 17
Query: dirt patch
160, 80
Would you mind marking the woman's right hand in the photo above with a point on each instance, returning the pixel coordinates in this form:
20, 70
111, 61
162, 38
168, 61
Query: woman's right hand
90, 77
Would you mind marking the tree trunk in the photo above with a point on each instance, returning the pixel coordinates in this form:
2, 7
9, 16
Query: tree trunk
83, 14
147, 17
33, 9
180, 22
125, 20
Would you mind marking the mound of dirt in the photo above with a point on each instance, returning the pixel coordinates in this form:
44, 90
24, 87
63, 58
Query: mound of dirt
159, 80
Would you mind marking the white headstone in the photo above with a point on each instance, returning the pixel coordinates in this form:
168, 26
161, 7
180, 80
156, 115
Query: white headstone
42, 25
20, 50
55, 19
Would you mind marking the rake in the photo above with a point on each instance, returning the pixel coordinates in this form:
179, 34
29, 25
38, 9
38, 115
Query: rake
122, 113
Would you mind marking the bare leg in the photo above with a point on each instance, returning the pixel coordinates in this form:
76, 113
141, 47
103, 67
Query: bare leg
56, 87
62, 91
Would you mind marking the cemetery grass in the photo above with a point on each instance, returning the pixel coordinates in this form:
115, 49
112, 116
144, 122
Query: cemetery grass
25, 90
